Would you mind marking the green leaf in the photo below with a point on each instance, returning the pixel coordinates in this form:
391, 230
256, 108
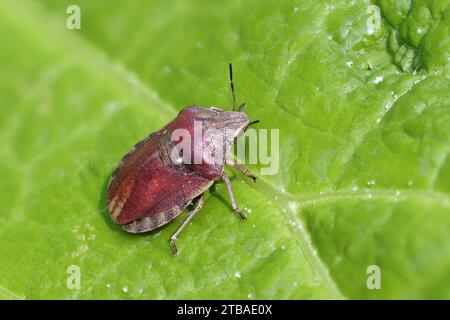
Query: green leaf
363, 113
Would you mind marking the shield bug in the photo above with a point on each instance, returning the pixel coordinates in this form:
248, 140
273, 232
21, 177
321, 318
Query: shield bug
156, 181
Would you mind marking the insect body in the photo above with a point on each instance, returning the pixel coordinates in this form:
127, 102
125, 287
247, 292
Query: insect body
150, 187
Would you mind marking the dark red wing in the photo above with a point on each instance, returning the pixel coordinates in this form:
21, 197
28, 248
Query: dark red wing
143, 184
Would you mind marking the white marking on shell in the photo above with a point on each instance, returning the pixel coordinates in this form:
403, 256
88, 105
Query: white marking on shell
116, 206
112, 204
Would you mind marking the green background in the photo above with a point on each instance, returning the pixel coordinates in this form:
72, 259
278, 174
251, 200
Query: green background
364, 124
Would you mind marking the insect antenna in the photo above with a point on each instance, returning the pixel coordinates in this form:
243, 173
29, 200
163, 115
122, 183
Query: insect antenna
232, 87
250, 123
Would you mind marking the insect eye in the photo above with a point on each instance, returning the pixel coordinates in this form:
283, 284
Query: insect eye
179, 160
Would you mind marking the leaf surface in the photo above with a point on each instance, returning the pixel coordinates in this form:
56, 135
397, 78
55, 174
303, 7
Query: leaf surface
363, 179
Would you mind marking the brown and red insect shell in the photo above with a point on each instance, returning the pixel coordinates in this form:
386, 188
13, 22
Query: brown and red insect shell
147, 184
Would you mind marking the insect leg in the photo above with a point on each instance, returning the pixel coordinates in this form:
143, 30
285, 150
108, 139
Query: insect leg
233, 201
241, 168
191, 214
